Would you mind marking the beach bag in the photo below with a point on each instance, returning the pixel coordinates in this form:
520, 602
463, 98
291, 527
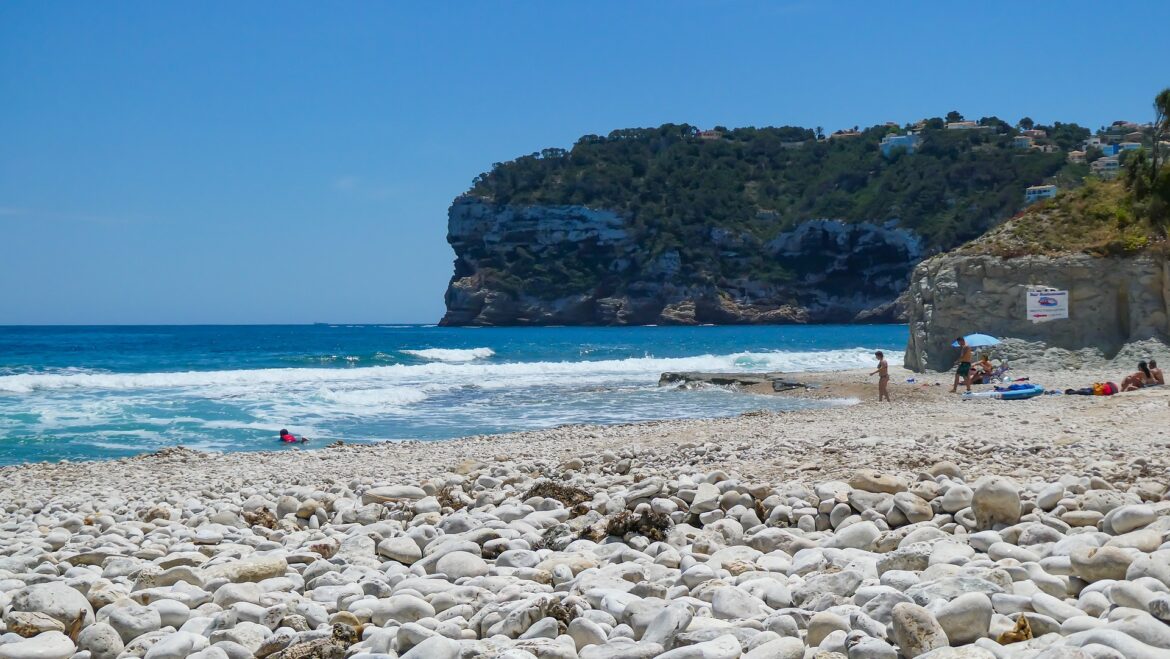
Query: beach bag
1099, 389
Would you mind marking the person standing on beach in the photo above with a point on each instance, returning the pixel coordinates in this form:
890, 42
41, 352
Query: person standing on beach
883, 371
964, 369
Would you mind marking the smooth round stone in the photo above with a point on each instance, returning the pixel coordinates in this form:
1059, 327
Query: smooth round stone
54, 599
868, 480
780, 648
1002, 550
132, 620
585, 632
965, 618
1129, 518
1097, 563
49, 645
867, 647
856, 536
1103, 501
101, 641
996, 501
1054, 608
1143, 540
177, 646
400, 548
665, 625
721, 647
1035, 534
1049, 497
171, 613
822, 624
916, 631
915, 508
956, 498
1077, 518
399, 608
459, 564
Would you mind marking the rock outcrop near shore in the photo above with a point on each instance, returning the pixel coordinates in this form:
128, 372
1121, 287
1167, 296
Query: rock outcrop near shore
572, 265
1113, 302
599, 556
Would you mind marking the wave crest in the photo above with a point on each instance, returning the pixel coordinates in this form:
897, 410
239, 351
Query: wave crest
451, 354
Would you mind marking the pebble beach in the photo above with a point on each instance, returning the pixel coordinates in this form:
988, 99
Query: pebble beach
929, 527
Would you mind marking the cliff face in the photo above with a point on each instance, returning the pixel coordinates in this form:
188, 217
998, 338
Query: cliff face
543, 265
1113, 301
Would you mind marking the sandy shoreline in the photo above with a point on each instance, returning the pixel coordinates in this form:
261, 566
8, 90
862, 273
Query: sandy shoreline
925, 423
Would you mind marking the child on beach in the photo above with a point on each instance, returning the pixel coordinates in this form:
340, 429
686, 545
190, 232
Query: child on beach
884, 379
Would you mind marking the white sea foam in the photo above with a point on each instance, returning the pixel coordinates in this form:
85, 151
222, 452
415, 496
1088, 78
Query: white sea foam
377, 397
451, 354
236, 383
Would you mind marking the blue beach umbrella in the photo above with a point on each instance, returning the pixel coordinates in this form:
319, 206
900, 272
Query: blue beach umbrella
978, 341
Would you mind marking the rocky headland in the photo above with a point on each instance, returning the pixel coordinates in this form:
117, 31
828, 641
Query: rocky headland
845, 272
860, 532
673, 225
1113, 266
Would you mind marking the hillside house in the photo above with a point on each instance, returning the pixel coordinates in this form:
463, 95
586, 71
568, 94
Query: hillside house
963, 125
1129, 146
1035, 133
710, 135
890, 142
1022, 142
1037, 192
1076, 156
1107, 167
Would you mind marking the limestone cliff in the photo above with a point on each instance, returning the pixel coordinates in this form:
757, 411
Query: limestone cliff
546, 265
1113, 301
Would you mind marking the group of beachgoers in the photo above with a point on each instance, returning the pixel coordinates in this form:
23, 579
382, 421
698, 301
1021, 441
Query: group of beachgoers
980, 372
1147, 375
969, 372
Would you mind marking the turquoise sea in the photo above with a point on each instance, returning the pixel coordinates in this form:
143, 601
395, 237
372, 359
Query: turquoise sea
105, 392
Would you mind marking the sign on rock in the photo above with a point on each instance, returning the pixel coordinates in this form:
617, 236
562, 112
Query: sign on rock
1047, 305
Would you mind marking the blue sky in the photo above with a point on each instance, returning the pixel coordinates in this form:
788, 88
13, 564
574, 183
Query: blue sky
222, 162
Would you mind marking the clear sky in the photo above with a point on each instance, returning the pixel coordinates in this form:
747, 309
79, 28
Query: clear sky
227, 162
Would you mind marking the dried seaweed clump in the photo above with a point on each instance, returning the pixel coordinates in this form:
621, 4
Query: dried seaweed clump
651, 524
566, 494
558, 611
449, 498
555, 537
1021, 632
262, 517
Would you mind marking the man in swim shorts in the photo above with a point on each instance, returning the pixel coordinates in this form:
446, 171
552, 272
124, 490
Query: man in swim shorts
883, 370
964, 370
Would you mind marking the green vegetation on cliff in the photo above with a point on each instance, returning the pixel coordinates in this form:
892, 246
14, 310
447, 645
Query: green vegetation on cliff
1104, 218
675, 185
1100, 218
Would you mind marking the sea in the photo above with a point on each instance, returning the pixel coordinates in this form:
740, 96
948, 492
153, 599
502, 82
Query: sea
84, 393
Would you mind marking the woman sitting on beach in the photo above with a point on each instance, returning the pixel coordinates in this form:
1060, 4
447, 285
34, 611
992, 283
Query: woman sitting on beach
1142, 378
982, 370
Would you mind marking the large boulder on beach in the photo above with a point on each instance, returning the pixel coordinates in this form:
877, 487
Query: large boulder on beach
916, 631
49, 645
996, 502
56, 600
